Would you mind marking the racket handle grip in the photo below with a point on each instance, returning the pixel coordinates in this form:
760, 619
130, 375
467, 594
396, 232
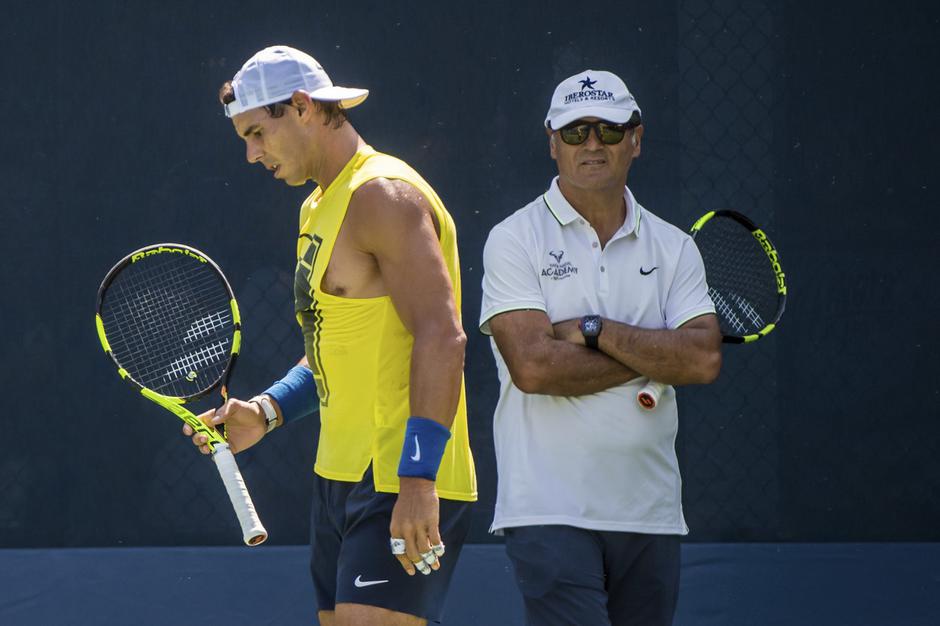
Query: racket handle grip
648, 397
252, 530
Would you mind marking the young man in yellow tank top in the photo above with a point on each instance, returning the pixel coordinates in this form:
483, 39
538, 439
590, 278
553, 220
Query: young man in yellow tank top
377, 295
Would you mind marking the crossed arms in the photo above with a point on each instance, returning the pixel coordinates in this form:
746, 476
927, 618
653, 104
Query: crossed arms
552, 359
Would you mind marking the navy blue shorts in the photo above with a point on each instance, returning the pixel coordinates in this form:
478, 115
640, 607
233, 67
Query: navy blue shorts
575, 577
350, 557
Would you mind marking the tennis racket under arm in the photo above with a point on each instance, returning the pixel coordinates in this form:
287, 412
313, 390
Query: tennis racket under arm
745, 281
168, 318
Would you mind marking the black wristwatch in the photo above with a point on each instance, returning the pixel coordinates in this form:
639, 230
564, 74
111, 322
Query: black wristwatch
591, 326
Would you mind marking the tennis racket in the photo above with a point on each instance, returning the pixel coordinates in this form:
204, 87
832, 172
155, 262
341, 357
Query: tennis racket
745, 281
168, 318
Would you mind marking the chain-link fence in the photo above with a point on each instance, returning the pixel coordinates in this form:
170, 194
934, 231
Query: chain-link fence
728, 432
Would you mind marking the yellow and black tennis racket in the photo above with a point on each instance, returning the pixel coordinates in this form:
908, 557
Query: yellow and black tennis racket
168, 318
745, 281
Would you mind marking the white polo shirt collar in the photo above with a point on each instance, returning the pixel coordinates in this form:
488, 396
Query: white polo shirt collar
566, 214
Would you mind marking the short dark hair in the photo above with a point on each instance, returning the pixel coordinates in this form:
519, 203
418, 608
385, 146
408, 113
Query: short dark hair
335, 114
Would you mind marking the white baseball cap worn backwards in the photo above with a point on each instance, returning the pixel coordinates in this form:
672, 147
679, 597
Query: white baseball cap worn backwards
275, 73
591, 93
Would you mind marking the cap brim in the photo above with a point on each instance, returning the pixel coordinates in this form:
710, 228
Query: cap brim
608, 114
348, 97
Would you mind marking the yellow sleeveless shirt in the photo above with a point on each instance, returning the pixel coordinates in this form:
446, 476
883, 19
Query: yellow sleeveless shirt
359, 350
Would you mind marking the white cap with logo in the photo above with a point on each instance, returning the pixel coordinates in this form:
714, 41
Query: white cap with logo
591, 94
275, 73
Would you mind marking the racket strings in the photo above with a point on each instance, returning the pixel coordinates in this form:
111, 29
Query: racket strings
169, 322
741, 281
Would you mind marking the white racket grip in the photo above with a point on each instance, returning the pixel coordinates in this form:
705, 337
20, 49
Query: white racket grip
648, 397
252, 530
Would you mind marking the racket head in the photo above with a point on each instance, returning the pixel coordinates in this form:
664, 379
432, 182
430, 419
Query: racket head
167, 317
745, 279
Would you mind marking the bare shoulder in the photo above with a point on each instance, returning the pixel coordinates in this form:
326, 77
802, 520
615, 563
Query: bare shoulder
382, 208
386, 195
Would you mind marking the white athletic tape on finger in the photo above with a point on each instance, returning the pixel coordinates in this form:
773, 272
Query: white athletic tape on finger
423, 567
429, 557
438, 549
397, 545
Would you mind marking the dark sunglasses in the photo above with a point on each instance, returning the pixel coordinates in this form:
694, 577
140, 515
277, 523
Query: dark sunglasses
576, 133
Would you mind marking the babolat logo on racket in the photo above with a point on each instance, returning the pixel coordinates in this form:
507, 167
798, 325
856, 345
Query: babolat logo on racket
164, 250
772, 255
558, 270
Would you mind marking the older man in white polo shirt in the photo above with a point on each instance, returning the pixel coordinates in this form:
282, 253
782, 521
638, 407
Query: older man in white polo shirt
587, 296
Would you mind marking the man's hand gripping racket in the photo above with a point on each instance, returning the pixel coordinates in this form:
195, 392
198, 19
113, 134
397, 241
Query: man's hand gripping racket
745, 281
168, 318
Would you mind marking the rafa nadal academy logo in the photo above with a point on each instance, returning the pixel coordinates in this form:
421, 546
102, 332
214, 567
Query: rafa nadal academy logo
557, 270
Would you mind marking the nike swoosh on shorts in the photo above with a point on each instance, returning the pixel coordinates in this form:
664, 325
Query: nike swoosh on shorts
367, 583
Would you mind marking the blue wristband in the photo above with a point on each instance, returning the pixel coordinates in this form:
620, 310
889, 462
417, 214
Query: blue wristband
295, 394
424, 445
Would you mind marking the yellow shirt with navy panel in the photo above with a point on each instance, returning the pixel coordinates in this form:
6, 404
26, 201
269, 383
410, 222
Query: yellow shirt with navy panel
360, 351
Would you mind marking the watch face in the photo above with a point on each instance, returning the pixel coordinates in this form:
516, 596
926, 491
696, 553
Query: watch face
591, 325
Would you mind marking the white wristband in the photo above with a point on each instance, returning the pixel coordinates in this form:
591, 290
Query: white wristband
270, 415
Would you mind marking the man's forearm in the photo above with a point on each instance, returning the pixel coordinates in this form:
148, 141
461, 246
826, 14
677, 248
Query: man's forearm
436, 373
434, 385
560, 368
682, 356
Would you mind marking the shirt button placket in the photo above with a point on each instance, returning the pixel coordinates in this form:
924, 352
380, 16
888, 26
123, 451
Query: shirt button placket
604, 274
